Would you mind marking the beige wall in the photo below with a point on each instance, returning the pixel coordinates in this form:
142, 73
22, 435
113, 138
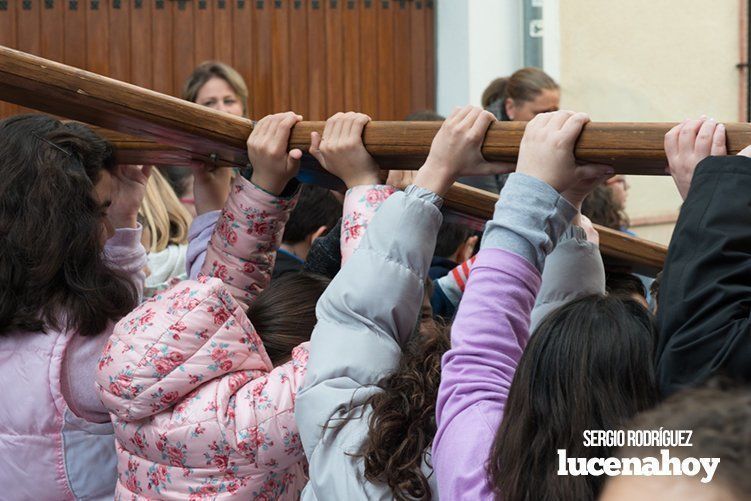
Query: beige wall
650, 60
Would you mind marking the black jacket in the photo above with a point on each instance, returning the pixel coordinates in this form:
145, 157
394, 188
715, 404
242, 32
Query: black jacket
704, 311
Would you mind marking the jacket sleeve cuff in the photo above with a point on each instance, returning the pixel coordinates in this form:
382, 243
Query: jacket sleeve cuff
529, 219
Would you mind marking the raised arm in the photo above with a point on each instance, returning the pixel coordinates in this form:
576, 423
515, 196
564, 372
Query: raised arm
574, 269
705, 295
371, 308
492, 324
243, 246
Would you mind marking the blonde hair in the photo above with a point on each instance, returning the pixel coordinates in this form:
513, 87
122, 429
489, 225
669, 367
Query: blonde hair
214, 69
163, 215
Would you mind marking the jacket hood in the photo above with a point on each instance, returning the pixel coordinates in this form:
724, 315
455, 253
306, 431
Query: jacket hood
172, 344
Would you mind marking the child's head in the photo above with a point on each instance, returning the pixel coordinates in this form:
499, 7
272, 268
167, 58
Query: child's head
316, 212
526, 93
217, 86
284, 314
626, 285
589, 365
455, 241
165, 220
402, 425
602, 208
55, 190
720, 420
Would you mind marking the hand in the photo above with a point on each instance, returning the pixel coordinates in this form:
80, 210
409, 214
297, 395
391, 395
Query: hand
211, 187
400, 179
342, 152
273, 166
455, 150
588, 177
687, 144
547, 153
128, 188
583, 222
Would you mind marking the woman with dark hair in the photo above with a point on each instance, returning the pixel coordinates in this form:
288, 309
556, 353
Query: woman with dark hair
366, 408
70, 267
566, 379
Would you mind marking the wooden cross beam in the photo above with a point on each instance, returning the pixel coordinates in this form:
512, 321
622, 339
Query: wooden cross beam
170, 130
632, 148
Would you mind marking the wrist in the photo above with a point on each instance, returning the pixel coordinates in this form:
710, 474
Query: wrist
272, 185
124, 220
362, 180
434, 180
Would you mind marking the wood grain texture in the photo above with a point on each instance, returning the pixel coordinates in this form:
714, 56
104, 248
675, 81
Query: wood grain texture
633, 253
633, 148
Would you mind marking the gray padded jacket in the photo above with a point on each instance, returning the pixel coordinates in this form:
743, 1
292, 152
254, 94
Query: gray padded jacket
365, 317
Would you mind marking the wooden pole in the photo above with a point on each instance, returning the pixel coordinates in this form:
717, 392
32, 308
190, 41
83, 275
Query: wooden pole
624, 250
27, 80
168, 130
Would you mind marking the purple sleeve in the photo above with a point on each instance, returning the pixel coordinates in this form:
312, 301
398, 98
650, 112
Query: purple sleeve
198, 241
124, 252
487, 339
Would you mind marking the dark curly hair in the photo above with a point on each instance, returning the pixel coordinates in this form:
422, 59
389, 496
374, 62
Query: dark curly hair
52, 268
402, 424
601, 208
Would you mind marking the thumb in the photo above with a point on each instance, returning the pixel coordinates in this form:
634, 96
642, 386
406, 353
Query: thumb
315, 147
592, 172
293, 161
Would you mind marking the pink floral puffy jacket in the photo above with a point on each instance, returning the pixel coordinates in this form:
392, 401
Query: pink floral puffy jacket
199, 412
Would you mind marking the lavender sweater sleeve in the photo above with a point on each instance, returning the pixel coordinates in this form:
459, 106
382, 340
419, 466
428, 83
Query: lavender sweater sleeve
199, 235
124, 252
490, 332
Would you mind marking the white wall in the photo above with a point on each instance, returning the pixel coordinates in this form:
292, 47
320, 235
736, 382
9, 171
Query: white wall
476, 42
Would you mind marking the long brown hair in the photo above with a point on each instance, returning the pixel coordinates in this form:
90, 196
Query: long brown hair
284, 314
588, 366
601, 208
402, 424
52, 270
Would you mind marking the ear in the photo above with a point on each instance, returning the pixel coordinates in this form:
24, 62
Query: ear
510, 108
321, 231
468, 248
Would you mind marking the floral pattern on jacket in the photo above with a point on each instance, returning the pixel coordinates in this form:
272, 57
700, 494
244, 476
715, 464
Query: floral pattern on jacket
198, 409
360, 204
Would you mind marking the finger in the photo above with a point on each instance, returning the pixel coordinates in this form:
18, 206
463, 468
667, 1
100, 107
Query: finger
482, 123
327, 130
592, 172
293, 161
456, 115
573, 127
315, 145
469, 119
559, 119
336, 129
349, 124
703, 144
671, 140
456, 118
358, 125
687, 136
146, 171
719, 142
540, 120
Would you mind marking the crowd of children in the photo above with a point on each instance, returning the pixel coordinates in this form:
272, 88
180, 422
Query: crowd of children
292, 345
